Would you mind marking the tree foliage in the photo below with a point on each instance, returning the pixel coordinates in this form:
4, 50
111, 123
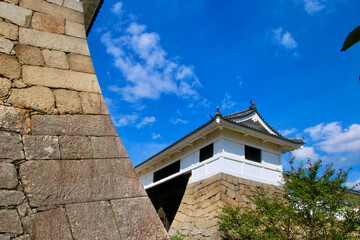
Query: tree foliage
309, 205
352, 38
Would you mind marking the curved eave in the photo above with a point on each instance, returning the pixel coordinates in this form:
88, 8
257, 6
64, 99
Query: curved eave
91, 10
175, 144
249, 112
264, 134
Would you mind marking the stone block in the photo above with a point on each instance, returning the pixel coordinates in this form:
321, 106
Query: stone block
231, 179
41, 147
67, 101
6, 45
128, 211
75, 5
84, 220
107, 147
80, 63
245, 199
53, 9
211, 180
24, 209
246, 182
51, 182
11, 198
10, 147
75, 147
9, 30
215, 236
91, 102
56, 78
74, 125
9, 66
228, 200
180, 217
58, 2
55, 59
18, 15
103, 107
75, 29
230, 193
48, 23
14, 119
53, 41
8, 176
4, 237
5, 85
23, 237
37, 98
228, 185
51, 224
9, 221
212, 192
210, 223
15, 2
19, 84
29, 55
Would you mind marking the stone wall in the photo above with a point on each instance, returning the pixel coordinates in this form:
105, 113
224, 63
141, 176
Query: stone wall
202, 200
64, 173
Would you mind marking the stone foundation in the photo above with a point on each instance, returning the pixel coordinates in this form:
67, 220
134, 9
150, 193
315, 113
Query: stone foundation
202, 200
64, 173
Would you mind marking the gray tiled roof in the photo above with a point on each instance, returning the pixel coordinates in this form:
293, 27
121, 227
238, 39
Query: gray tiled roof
252, 109
229, 118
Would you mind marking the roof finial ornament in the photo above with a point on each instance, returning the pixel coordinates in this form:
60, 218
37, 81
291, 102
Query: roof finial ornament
253, 107
218, 112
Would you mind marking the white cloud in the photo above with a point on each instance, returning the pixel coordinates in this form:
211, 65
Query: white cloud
177, 120
155, 136
227, 103
313, 6
305, 153
204, 103
135, 28
287, 132
117, 8
284, 39
146, 121
332, 138
124, 119
322, 131
144, 64
332, 143
347, 140
240, 80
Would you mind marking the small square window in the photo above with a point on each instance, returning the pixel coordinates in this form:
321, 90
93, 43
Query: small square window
206, 152
253, 154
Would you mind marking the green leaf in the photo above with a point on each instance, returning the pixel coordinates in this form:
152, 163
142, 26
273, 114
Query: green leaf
312, 204
351, 39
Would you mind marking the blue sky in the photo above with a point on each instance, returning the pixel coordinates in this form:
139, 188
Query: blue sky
164, 66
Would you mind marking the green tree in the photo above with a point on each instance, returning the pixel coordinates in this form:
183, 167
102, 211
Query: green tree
309, 205
352, 38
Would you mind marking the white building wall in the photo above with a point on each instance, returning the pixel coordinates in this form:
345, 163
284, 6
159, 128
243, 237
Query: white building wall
271, 159
229, 157
188, 161
235, 149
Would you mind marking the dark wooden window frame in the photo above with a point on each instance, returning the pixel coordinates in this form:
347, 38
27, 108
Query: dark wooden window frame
206, 152
167, 171
252, 154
